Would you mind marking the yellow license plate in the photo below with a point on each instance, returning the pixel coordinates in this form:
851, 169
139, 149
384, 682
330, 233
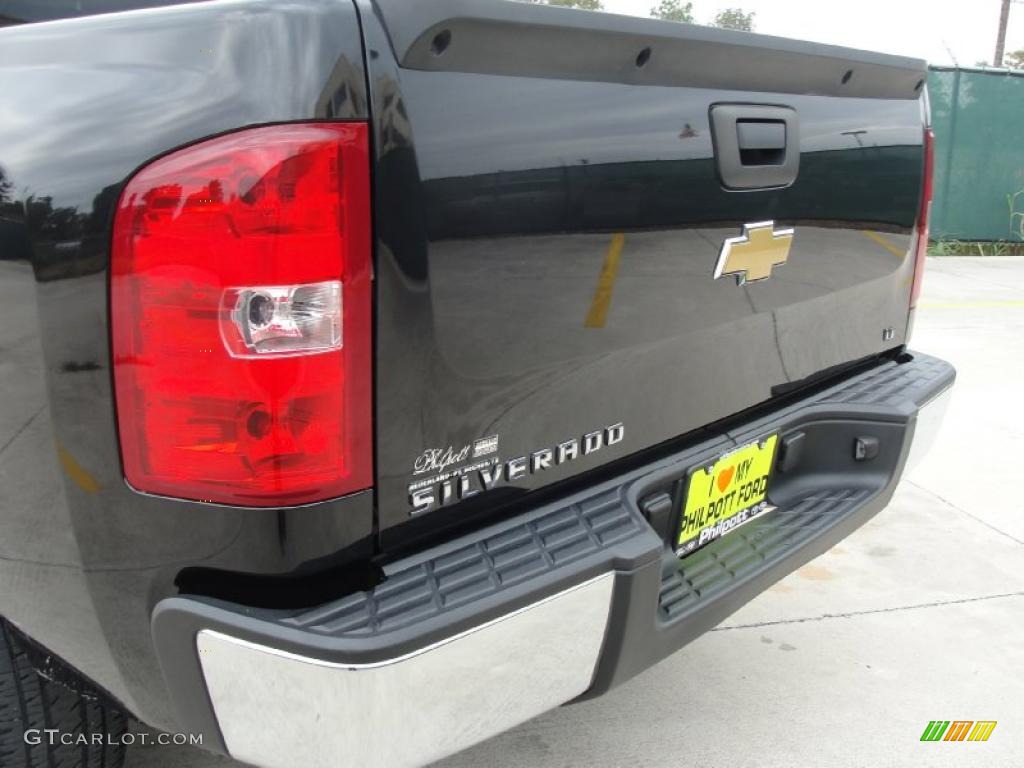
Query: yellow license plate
719, 499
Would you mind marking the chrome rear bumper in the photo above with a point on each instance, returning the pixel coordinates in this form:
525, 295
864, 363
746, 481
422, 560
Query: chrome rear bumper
463, 641
926, 428
281, 710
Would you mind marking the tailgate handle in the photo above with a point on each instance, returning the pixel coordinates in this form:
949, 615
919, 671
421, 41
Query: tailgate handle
761, 142
756, 146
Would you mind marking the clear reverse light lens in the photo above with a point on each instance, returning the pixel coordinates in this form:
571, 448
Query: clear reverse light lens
274, 321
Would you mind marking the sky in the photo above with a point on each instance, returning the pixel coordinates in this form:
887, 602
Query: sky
941, 31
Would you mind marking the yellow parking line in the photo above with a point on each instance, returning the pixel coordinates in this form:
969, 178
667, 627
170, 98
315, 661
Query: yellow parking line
605, 284
884, 243
74, 470
970, 304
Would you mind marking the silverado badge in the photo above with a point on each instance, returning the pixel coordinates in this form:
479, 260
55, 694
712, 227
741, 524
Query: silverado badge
450, 480
753, 255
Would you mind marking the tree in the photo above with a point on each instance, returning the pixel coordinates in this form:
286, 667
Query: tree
673, 10
586, 5
734, 18
6, 187
1014, 60
1004, 18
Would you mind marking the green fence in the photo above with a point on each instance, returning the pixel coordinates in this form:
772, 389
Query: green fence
978, 118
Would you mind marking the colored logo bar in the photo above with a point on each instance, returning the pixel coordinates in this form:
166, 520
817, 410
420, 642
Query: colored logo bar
958, 730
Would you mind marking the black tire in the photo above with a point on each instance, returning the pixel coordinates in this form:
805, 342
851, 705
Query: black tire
30, 701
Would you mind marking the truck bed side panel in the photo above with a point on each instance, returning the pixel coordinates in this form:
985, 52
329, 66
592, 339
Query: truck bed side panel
85, 102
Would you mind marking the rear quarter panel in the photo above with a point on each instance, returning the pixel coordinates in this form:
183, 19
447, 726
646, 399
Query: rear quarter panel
83, 103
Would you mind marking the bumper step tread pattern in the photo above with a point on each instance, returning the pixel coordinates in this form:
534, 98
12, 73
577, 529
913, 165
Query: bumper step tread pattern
564, 535
713, 570
479, 569
891, 384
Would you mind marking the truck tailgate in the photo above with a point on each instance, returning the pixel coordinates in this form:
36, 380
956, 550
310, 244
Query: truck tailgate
554, 192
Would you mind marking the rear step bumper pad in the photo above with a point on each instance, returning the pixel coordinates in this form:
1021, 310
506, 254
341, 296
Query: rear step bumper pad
471, 638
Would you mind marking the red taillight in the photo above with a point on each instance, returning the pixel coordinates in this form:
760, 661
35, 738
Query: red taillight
240, 313
923, 215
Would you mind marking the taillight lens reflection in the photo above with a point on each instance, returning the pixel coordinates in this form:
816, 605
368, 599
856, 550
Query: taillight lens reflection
240, 302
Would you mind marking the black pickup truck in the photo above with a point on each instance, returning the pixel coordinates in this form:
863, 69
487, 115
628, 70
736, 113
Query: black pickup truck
378, 375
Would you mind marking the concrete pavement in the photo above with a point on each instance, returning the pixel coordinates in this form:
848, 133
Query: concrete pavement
916, 617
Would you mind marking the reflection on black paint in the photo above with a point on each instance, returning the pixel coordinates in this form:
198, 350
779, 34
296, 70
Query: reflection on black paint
68, 243
521, 181
653, 194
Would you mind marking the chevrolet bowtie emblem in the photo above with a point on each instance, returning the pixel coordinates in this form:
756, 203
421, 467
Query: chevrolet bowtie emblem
752, 256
